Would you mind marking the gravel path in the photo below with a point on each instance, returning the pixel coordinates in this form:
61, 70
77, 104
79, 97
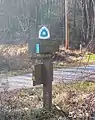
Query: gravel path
60, 75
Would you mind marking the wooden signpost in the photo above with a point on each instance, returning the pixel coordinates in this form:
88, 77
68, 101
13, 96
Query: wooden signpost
43, 42
43, 74
47, 82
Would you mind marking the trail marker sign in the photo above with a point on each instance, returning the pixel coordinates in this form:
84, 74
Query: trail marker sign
44, 33
44, 37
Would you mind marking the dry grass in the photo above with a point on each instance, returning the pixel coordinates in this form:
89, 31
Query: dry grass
15, 58
77, 99
74, 99
13, 50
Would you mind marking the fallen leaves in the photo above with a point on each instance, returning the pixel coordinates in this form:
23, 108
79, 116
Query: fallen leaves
13, 50
79, 104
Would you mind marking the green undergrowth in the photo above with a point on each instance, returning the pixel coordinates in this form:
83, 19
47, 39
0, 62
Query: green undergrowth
36, 114
53, 114
84, 60
83, 86
90, 58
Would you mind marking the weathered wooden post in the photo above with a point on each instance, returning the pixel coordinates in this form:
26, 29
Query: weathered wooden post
43, 74
47, 82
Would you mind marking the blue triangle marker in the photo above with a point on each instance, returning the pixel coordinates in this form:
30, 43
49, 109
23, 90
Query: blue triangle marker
44, 33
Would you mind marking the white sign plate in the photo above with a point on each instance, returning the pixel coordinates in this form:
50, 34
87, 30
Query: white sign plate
44, 33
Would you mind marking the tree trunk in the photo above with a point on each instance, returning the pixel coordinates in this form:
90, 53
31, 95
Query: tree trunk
88, 21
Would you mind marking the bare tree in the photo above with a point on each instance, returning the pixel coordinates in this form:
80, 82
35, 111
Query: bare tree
88, 20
